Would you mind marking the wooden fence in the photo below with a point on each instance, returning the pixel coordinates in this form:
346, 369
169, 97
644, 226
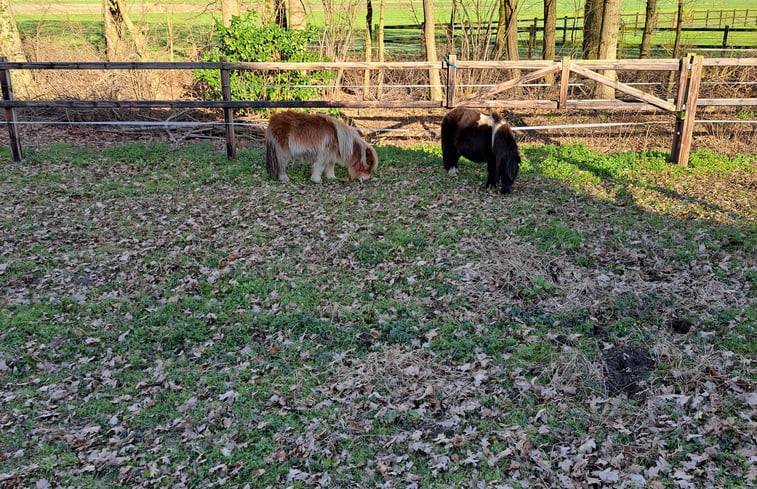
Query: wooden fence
686, 74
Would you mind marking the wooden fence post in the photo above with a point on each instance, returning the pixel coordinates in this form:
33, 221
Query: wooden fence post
10, 113
685, 118
532, 37
725, 38
451, 79
228, 113
564, 79
564, 29
683, 80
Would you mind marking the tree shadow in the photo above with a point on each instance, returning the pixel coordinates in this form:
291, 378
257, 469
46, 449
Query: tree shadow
621, 182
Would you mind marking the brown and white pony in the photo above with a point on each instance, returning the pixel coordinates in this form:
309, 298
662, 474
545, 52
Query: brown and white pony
484, 139
319, 140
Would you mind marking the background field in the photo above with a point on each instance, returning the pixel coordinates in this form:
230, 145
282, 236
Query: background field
78, 25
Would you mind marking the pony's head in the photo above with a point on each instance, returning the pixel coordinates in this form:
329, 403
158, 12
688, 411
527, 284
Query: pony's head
363, 162
506, 154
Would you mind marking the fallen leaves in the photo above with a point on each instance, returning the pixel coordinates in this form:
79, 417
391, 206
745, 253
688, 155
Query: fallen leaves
142, 352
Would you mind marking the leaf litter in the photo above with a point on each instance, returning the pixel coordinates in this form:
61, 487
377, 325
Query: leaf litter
586, 385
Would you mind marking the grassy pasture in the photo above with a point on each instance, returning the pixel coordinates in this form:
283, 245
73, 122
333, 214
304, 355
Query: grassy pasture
169, 317
78, 24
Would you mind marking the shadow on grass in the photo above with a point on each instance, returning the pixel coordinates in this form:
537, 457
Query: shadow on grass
621, 173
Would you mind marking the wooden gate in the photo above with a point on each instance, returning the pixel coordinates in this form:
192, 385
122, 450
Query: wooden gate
683, 108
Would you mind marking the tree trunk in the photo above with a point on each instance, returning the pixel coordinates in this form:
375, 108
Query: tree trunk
650, 21
10, 46
608, 43
511, 20
267, 11
280, 13
297, 15
550, 25
429, 38
368, 48
122, 39
500, 38
679, 24
381, 51
451, 28
593, 10
229, 8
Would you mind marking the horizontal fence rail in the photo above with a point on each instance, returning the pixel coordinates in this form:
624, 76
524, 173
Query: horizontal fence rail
685, 75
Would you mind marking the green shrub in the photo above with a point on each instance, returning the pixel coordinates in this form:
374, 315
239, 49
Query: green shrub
247, 40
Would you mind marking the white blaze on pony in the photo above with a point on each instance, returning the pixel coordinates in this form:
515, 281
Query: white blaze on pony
319, 140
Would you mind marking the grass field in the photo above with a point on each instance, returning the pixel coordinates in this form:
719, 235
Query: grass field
170, 318
77, 25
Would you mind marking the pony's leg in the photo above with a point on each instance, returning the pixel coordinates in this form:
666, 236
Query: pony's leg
491, 178
330, 170
283, 160
318, 167
450, 157
283, 178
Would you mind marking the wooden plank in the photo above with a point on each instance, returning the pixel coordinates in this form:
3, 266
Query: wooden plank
266, 66
501, 87
683, 83
681, 155
720, 102
343, 65
564, 80
10, 114
511, 104
218, 104
683, 77
611, 106
622, 87
504, 65
730, 62
629, 64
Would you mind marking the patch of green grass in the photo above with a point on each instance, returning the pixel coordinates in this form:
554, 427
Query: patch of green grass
233, 327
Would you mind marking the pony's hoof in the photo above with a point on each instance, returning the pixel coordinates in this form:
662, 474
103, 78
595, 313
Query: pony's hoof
452, 171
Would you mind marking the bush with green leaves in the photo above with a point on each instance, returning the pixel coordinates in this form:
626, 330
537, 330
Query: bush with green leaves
248, 40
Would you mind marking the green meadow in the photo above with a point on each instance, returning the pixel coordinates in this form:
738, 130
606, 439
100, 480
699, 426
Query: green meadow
188, 26
172, 318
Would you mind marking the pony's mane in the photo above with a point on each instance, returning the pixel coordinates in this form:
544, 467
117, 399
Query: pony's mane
347, 137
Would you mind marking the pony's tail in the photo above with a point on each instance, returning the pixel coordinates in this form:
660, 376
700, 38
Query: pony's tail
271, 157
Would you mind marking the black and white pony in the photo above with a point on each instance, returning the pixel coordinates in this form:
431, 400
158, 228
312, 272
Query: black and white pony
484, 139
